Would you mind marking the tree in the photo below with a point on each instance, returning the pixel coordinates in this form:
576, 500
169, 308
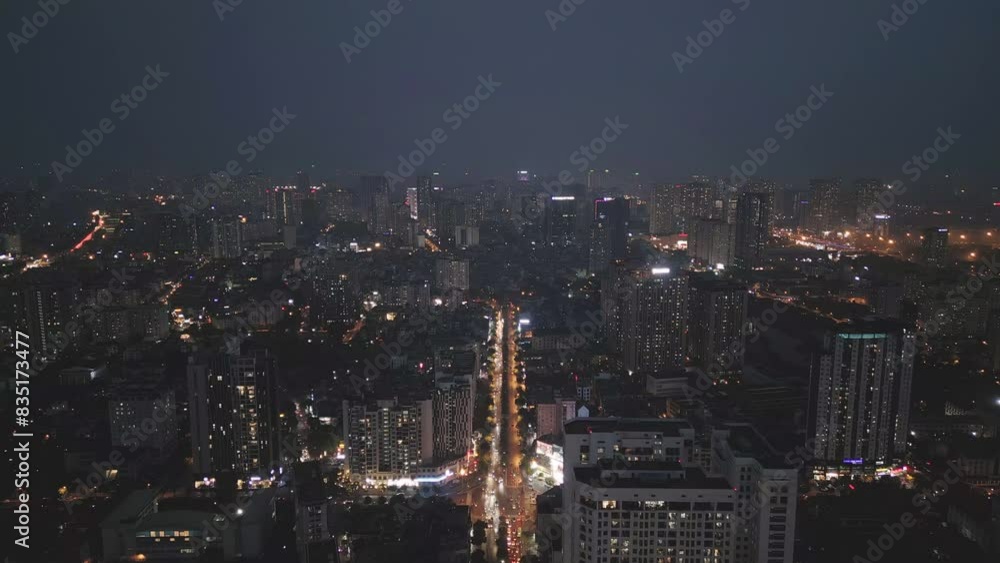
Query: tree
479, 533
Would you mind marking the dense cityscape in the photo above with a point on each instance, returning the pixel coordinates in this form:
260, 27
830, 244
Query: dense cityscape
296, 358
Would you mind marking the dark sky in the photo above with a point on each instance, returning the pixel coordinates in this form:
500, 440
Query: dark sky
609, 58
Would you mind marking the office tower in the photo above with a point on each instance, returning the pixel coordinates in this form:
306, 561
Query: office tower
453, 401
718, 313
233, 410
466, 236
609, 233
862, 380
766, 492
46, 309
655, 319
143, 415
752, 219
375, 195
934, 246
711, 242
866, 192
451, 273
227, 238
561, 220
631, 492
824, 209
388, 440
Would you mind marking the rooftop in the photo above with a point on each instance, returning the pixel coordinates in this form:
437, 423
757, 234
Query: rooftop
668, 427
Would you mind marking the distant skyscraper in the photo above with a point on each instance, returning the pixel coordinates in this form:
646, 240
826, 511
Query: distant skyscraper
866, 197
664, 210
862, 383
711, 242
375, 194
698, 203
824, 210
233, 411
466, 237
340, 207
284, 205
718, 313
452, 273
46, 309
655, 319
769, 190
752, 220
609, 233
302, 181
227, 238
425, 202
934, 247
561, 219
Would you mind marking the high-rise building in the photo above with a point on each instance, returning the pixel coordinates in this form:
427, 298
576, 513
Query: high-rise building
614, 289
375, 195
453, 401
766, 493
561, 219
655, 320
284, 206
425, 202
632, 492
143, 415
609, 233
388, 440
665, 210
466, 236
866, 192
451, 273
769, 190
752, 234
862, 381
227, 238
335, 296
340, 206
233, 411
313, 527
934, 246
698, 202
711, 242
718, 313
45, 308
824, 209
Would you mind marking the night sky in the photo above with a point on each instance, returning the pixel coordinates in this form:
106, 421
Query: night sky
607, 59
